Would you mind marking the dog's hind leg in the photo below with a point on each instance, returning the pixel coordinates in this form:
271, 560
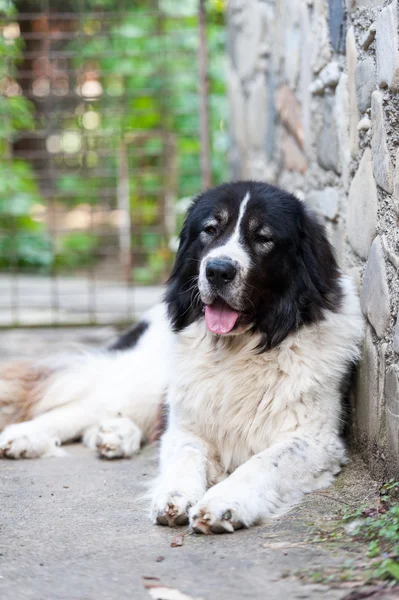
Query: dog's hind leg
114, 438
43, 435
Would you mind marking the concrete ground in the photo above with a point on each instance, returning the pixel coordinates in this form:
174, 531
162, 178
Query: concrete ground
77, 528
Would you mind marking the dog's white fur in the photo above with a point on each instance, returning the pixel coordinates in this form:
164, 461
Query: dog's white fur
270, 422
111, 399
263, 427
248, 433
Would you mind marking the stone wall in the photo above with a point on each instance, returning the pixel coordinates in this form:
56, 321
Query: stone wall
313, 88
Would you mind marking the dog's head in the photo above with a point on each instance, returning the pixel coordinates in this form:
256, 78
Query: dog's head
252, 257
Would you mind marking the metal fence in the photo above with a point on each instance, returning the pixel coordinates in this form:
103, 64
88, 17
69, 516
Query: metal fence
104, 107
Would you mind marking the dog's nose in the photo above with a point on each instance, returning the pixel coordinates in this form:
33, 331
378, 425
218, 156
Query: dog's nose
220, 271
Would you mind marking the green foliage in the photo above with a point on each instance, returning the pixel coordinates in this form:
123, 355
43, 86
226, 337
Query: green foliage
76, 250
379, 527
146, 65
23, 241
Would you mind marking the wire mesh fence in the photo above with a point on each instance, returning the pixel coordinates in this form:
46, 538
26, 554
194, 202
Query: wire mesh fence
100, 149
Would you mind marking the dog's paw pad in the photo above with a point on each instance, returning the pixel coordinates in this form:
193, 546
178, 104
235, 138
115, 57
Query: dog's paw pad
205, 520
173, 511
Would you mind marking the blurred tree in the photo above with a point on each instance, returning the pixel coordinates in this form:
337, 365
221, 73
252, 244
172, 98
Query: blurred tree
23, 241
118, 77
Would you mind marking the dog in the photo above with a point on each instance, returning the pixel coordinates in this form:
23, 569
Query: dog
253, 346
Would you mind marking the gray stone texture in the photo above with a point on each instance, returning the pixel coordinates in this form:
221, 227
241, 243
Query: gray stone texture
354, 4
337, 24
387, 46
362, 207
325, 202
343, 119
396, 335
383, 168
327, 144
319, 35
351, 61
256, 113
367, 391
365, 80
395, 195
333, 136
308, 41
374, 294
392, 419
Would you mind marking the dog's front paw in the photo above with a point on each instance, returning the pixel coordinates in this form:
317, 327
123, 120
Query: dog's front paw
22, 440
170, 508
214, 516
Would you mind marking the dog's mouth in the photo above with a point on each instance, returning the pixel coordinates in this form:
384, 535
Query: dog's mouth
220, 318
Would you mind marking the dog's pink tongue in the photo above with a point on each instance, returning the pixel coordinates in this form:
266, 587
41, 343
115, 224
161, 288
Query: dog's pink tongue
220, 318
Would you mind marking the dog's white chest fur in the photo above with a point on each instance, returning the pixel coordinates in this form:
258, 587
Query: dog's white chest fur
241, 402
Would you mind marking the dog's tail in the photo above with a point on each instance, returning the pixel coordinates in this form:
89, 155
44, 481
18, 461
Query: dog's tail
29, 388
22, 385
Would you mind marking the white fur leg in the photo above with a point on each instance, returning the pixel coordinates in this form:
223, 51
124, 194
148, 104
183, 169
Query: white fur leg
42, 436
26, 440
114, 438
182, 481
269, 484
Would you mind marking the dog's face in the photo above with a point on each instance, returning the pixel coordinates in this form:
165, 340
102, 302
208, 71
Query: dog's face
251, 258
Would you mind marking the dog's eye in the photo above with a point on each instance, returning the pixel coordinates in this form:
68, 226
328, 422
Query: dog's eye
264, 238
210, 229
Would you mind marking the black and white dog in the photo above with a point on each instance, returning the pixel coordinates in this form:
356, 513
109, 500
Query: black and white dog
253, 344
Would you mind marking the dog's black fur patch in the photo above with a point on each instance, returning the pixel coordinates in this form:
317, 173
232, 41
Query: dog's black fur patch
288, 287
128, 339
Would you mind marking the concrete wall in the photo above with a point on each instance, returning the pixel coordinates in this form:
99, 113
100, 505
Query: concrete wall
313, 88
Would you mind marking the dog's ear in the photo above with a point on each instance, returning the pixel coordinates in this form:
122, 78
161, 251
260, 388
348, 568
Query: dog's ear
183, 246
318, 266
312, 288
180, 297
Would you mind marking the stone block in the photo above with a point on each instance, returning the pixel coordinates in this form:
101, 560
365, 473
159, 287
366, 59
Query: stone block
361, 217
294, 158
256, 111
396, 185
374, 294
290, 113
396, 335
367, 390
327, 143
392, 420
365, 81
238, 126
337, 24
382, 165
366, 3
305, 75
248, 38
325, 202
351, 60
364, 124
387, 47
329, 76
320, 34
341, 111
291, 42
